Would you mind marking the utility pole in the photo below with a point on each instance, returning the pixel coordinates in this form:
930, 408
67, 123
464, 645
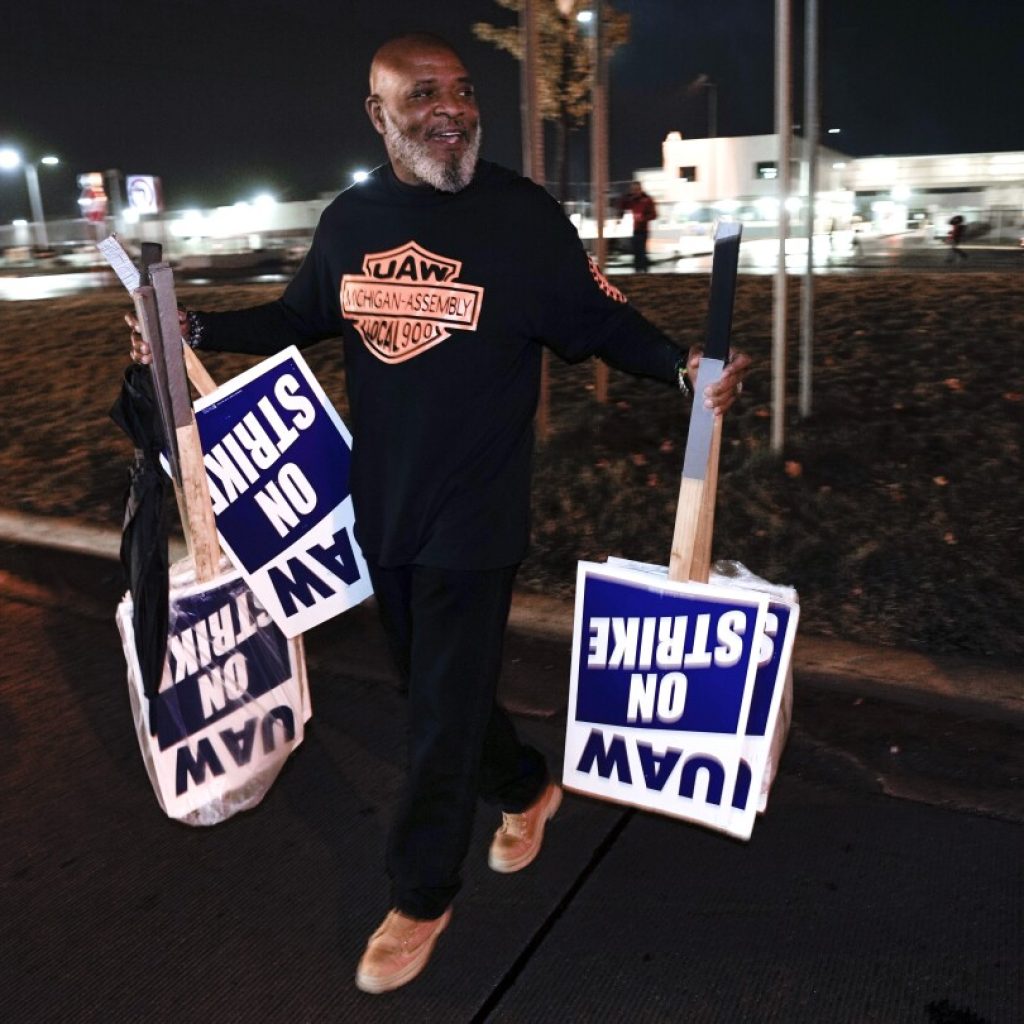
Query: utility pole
784, 130
811, 130
35, 202
533, 163
599, 165
532, 124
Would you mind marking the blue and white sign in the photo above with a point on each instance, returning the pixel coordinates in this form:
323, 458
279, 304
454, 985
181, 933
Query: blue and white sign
232, 705
675, 693
277, 461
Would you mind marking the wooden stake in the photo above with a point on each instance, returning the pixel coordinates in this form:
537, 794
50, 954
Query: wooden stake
200, 525
197, 373
690, 558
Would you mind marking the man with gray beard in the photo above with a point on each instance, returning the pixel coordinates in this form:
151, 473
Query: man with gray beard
442, 154
445, 276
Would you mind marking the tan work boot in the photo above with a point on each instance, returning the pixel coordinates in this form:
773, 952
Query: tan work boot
519, 839
397, 951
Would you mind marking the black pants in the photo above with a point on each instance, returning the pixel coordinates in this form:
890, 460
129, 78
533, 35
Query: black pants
446, 629
640, 261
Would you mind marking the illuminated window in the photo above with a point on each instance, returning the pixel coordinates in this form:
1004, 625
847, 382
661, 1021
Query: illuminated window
768, 170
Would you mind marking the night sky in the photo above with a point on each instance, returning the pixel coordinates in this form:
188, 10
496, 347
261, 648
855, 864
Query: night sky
223, 98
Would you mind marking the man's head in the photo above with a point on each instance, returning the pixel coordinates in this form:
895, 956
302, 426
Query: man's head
422, 103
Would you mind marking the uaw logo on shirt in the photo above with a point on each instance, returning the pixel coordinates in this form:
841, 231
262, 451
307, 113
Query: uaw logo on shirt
408, 300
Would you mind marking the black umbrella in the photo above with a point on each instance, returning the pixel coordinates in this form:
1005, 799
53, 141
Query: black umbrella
145, 528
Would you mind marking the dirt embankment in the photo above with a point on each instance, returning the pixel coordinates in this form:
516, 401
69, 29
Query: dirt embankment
895, 508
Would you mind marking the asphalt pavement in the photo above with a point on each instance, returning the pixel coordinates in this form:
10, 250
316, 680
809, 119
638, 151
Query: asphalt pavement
883, 884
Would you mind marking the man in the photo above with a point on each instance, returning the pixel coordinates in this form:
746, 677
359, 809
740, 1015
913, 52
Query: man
957, 229
444, 275
638, 203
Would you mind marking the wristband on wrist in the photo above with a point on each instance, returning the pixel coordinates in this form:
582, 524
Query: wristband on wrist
194, 330
681, 375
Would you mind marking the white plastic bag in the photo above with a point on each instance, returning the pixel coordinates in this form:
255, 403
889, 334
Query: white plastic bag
233, 700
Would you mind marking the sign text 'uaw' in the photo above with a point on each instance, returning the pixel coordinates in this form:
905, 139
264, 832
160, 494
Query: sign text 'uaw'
277, 459
674, 694
232, 705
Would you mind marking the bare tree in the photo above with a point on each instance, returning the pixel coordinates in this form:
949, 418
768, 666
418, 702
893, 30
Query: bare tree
566, 65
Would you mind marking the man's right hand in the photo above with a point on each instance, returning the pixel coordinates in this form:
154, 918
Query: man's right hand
140, 351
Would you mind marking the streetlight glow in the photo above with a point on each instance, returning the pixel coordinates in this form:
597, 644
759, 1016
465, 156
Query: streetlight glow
11, 159
585, 17
50, 161
360, 176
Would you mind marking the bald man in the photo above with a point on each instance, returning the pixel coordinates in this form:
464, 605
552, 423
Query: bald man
423, 103
445, 275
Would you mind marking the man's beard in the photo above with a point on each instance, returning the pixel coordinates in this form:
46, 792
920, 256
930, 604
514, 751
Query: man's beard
452, 174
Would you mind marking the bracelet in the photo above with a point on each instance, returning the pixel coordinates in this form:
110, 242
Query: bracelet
684, 381
194, 333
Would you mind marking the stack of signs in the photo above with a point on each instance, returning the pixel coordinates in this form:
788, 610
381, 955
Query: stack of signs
277, 461
678, 692
233, 701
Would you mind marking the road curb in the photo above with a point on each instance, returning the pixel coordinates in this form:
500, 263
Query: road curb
819, 661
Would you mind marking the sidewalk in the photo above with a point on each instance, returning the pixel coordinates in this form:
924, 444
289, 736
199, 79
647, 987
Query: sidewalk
825, 661
883, 884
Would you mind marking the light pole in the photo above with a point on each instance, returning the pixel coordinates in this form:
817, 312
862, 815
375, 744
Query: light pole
11, 159
711, 88
811, 118
599, 152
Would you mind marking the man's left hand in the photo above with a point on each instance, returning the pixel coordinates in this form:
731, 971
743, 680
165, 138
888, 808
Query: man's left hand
720, 395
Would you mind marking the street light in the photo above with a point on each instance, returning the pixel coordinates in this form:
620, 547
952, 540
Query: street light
11, 159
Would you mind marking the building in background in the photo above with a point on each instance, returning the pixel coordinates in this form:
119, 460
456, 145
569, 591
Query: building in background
701, 180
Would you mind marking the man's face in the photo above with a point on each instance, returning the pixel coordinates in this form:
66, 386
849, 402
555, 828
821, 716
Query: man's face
423, 104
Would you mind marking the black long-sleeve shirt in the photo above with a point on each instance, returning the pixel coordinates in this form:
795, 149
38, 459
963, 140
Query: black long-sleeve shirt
443, 302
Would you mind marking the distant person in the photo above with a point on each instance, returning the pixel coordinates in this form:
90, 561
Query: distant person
445, 276
637, 202
956, 237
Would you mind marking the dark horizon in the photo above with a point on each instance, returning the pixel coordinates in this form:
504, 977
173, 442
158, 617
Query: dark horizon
228, 99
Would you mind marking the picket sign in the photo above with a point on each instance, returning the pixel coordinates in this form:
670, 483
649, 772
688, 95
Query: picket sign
680, 692
277, 456
233, 700
680, 685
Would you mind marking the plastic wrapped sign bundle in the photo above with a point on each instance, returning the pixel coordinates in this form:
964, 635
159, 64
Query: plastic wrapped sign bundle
232, 705
681, 692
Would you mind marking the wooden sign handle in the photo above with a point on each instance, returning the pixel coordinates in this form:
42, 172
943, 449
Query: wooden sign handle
202, 526
197, 373
199, 522
690, 558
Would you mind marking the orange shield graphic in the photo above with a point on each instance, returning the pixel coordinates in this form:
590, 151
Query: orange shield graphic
408, 300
